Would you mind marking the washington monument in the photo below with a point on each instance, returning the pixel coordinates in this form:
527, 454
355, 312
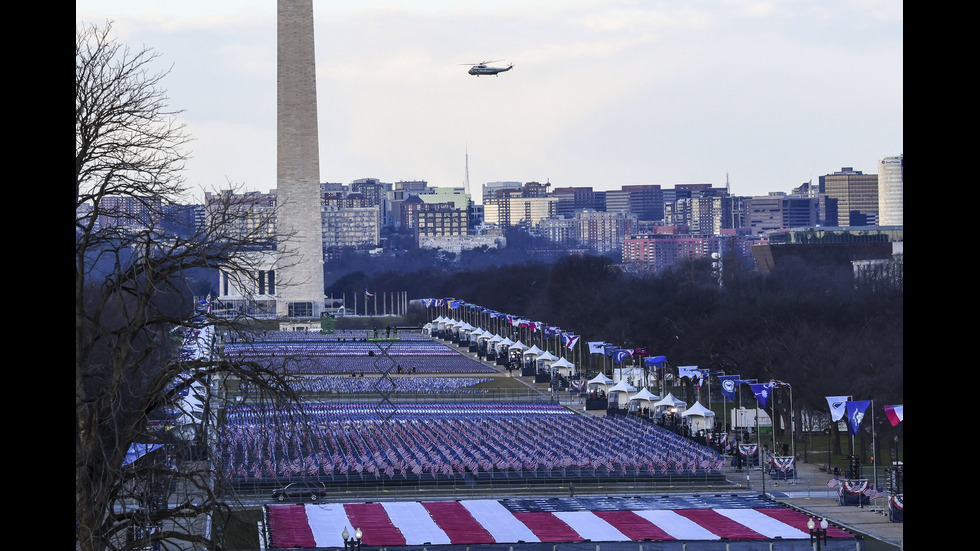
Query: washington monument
300, 244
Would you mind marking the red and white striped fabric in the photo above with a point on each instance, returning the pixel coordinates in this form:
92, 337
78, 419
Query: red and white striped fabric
476, 522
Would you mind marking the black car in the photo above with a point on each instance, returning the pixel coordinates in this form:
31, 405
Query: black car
312, 490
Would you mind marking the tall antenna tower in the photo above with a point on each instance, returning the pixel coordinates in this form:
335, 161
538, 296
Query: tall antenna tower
466, 182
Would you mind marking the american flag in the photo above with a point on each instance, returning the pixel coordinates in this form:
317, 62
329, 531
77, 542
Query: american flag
833, 482
873, 493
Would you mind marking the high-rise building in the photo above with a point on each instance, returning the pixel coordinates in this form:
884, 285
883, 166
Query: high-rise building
499, 189
573, 199
778, 211
440, 220
891, 172
604, 231
645, 201
300, 240
856, 194
350, 228
527, 212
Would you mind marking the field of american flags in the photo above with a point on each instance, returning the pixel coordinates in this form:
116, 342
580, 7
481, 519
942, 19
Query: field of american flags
346, 444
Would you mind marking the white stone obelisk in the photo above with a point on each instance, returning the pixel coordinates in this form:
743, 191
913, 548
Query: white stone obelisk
298, 225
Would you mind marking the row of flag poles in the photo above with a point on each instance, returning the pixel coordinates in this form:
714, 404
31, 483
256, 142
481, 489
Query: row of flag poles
854, 412
553, 338
393, 303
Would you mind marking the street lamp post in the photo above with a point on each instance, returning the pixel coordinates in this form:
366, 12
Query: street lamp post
352, 543
816, 533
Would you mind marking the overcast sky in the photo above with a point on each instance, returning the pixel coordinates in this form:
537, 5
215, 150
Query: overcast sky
604, 93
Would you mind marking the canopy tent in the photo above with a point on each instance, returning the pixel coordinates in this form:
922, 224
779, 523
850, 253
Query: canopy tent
699, 418
533, 351
619, 394
514, 352
563, 367
622, 386
669, 403
547, 357
599, 380
645, 395
642, 399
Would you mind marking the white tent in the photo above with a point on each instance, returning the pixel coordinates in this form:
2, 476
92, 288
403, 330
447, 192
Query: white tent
669, 402
599, 380
619, 394
518, 346
622, 386
546, 357
644, 395
533, 351
642, 399
699, 418
563, 366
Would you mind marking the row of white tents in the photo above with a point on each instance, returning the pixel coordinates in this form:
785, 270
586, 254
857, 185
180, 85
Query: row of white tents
621, 394
624, 395
502, 345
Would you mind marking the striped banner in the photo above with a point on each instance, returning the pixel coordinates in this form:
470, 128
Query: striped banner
474, 522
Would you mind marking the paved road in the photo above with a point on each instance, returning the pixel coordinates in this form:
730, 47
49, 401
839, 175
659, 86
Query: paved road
811, 494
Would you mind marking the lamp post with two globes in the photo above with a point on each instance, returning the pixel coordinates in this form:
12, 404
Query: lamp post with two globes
817, 532
352, 543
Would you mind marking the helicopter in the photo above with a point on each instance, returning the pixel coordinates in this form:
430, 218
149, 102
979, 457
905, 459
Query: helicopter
481, 68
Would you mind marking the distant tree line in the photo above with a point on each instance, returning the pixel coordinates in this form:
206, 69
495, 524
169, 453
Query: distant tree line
808, 326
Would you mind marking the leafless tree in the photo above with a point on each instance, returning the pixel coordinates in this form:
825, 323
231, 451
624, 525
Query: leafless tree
134, 305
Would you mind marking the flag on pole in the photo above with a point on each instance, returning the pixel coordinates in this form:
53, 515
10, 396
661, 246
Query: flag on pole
873, 493
833, 482
729, 384
570, 340
596, 347
761, 391
855, 413
368, 293
894, 414
837, 404
689, 371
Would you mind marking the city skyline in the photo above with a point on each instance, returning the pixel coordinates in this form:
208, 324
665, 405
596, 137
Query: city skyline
603, 94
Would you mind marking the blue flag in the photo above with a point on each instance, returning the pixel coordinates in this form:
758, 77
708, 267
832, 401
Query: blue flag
729, 385
622, 354
855, 413
654, 360
761, 391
